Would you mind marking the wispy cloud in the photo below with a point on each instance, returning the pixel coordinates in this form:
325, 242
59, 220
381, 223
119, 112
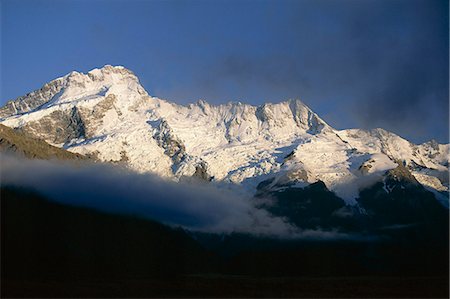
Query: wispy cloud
195, 206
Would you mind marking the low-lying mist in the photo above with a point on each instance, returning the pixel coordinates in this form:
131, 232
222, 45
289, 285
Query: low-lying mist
196, 206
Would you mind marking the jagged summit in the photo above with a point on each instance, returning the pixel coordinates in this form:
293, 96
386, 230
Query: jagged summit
72, 85
109, 72
104, 73
106, 113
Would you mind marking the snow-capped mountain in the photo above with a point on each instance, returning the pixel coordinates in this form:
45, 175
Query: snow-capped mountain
107, 114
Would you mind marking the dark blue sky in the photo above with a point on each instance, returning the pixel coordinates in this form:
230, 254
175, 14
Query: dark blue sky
357, 63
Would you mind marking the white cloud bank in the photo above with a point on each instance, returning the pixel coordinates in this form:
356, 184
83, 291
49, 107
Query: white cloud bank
108, 188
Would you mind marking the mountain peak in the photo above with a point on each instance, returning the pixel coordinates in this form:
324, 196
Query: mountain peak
108, 70
75, 85
107, 113
111, 75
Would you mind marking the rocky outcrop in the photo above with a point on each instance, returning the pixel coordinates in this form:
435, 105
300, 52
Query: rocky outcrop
20, 143
307, 207
93, 118
58, 127
96, 112
400, 176
32, 100
183, 163
305, 118
166, 139
201, 172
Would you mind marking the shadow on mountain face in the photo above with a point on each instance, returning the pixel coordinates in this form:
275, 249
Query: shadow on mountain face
400, 203
397, 203
22, 144
399, 228
309, 207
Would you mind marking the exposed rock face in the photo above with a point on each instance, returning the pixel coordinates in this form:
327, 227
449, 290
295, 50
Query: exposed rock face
280, 182
165, 138
401, 200
201, 172
93, 118
401, 175
33, 100
107, 113
305, 118
183, 163
14, 141
59, 126
307, 207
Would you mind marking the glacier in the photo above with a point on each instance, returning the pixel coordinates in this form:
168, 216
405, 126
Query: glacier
106, 114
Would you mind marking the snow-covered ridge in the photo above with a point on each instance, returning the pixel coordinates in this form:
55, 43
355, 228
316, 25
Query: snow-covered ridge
108, 114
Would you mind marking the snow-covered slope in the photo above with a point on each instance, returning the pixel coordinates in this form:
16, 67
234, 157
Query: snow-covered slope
108, 114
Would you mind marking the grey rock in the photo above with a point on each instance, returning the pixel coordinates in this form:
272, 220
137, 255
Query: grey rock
57, 127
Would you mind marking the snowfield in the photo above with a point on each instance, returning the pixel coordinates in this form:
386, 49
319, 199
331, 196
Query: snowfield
106, 113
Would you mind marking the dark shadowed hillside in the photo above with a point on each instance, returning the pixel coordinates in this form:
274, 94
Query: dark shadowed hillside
52, 250
14, 141
46, 239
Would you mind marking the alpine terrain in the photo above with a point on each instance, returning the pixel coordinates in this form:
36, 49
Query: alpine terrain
232, 200
108, 115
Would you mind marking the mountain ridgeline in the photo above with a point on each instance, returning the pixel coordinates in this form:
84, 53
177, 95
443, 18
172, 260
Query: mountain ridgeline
283, 152
108, 115
369, 208
19, 143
